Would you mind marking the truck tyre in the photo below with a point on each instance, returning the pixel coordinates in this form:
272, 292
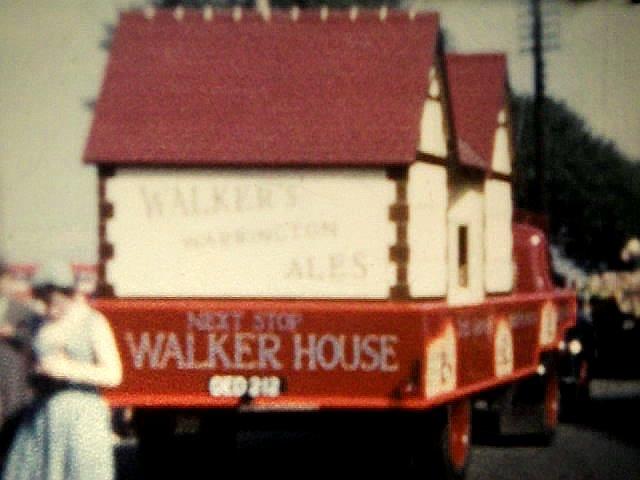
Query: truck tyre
456, 440
574, 395
545, 414
551, 404
525, 413
446, 454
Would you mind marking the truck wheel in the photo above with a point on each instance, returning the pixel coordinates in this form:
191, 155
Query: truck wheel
456, 440
448, 445
551, 406
546, 408
525, 413
574, 395
540, 428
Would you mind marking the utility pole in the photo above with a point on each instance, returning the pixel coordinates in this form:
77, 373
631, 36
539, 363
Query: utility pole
539, 200
539, 21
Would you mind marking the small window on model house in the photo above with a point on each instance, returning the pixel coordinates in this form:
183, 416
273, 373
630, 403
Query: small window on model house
463, 256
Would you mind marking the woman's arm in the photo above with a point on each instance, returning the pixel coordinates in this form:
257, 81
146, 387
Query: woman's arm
105, 372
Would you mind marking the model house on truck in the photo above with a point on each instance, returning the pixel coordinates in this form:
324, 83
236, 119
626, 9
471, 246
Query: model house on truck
311, 210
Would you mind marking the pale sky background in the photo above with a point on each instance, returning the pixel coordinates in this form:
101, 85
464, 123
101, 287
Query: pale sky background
52, 64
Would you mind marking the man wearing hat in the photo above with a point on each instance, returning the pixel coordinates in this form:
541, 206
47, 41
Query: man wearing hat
17, 327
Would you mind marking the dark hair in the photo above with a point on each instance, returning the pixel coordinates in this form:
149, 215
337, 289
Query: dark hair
43, 291
4, 267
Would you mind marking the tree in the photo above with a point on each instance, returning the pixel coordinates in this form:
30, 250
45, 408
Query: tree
592, 190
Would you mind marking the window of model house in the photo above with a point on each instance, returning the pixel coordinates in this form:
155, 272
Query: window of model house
463, 256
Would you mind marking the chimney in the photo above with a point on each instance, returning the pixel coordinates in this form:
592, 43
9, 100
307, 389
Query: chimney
263, 7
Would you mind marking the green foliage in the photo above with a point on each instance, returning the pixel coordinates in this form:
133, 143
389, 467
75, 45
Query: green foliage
592, 191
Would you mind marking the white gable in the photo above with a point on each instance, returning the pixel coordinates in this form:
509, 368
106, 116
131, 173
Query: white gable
501, 156
433, 140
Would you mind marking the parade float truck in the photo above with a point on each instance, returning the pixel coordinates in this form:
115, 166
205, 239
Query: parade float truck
309, 213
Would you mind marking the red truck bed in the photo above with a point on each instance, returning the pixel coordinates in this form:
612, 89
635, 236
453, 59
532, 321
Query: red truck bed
288, 355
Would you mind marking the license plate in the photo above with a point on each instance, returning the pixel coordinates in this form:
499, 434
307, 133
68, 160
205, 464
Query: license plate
237, 386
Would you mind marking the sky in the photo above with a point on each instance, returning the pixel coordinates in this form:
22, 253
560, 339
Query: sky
592, 64
52, 66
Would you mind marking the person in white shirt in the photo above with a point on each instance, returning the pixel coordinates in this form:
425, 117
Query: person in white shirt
67, 436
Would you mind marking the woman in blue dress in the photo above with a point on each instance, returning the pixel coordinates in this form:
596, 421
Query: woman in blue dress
67, 435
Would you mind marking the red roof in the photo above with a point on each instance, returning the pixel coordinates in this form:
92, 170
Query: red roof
477, 90
220, 92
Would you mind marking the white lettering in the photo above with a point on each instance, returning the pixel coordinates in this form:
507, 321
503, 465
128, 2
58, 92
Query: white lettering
268, 347
216, 351
355, 357
373, 355
328, 360
260, 351
300, 351
172, 351
242, 350
191, 352
387, 353
215, 321
369, 353
143, 350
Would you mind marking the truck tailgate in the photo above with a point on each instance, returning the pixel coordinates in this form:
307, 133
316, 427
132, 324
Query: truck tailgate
327, 354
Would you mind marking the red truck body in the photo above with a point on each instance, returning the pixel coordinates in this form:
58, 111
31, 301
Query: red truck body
326, 354
438, 322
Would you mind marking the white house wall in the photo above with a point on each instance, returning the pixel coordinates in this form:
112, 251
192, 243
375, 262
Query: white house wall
498, 237
427, 232
256, 233
466, 208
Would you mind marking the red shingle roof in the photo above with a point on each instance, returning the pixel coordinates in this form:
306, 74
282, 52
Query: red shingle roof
477, 90
220, 92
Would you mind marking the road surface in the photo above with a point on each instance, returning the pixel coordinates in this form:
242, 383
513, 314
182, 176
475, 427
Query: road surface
604, 444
